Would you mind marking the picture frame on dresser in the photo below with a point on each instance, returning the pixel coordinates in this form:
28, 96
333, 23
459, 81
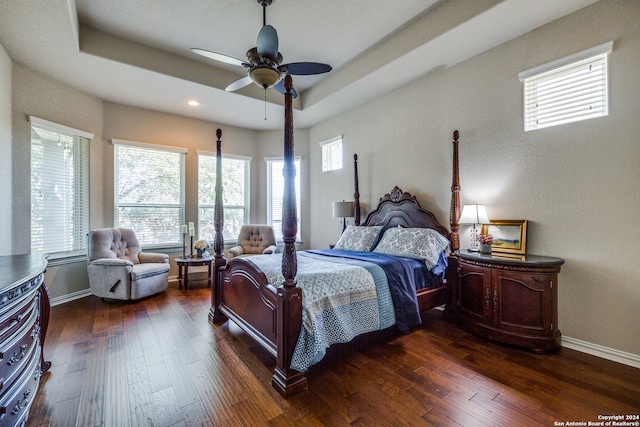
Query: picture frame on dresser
509, 235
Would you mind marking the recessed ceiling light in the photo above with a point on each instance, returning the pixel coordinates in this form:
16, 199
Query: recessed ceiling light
193, 103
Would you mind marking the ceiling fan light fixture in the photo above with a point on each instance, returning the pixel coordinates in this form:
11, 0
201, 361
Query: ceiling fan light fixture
264, 76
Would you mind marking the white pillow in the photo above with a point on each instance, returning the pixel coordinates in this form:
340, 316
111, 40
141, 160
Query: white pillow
357, 238
419, 243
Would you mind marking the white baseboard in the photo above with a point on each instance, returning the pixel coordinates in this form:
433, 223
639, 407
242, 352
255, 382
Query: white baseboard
612, 354
70, 297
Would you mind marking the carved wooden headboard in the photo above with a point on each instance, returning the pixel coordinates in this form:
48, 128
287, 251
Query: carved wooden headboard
399, 208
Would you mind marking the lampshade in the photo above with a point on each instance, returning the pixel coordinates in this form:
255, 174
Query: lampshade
264, 76
343, 209
474, 214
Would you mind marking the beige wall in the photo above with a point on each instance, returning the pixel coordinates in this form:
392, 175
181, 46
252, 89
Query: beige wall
5, 148
577, 184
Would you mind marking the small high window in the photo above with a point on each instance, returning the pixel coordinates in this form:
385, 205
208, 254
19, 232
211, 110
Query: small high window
567, 90
332, 154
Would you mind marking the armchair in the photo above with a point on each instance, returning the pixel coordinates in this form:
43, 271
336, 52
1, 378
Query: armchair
118, 269
254, 239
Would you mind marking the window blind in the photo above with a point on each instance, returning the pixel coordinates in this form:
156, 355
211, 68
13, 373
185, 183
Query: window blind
59, 188
332, 154
235, 196
149, 191
567, 90
275, 192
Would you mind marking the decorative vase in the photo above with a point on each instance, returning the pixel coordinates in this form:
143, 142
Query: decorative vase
485, 248
199, 252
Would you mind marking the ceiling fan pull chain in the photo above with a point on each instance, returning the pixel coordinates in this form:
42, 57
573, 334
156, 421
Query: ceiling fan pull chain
265, 104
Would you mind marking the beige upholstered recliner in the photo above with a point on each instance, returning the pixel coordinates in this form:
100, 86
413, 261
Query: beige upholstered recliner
118, 269
254, 239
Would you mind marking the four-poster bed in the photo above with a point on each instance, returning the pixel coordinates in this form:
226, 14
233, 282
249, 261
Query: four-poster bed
271, 311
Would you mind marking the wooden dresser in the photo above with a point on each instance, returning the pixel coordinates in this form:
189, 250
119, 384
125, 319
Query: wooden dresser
24, 317
511, 300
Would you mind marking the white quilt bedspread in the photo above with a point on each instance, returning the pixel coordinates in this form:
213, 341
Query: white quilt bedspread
340, 300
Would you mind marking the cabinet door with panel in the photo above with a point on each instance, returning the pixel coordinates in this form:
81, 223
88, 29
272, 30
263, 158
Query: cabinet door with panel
474, 293
510, 300
524, 302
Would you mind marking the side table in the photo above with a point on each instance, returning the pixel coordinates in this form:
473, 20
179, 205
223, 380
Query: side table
193, 261
511, 300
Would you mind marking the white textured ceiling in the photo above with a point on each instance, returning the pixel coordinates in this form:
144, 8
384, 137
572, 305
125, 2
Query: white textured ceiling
138, 52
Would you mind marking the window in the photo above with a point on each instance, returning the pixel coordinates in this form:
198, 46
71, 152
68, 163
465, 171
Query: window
59, 188
332, 154
275, 191
235, 194
149, 191
567, 90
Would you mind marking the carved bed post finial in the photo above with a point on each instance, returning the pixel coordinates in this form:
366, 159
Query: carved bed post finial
454, 214
356, 195
218, 240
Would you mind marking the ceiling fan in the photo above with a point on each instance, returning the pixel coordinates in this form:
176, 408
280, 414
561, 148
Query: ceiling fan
263, 62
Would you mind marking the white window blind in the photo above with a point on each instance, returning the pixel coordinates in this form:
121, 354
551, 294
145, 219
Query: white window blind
275, 192
332, 154
235, 194
567, 90
149, 191
59, 188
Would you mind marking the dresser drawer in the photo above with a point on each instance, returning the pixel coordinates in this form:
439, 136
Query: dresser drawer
14, 318
15, 352
16, 401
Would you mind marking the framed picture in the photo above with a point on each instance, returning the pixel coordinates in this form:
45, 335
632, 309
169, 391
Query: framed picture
509, 235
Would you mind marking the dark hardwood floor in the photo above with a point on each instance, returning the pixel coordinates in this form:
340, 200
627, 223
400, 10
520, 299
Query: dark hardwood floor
159, 362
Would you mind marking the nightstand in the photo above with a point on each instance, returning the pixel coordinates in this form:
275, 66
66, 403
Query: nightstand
509, 298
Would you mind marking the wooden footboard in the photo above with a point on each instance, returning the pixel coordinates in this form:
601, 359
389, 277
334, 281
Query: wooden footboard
248, 300
270, 316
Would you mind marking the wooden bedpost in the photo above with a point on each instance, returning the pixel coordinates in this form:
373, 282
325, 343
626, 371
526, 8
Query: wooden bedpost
218, 241
454, 217
289, 313
356, 195
454, 214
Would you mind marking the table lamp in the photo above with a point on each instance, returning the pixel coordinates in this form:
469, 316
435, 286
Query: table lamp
343, 210
474, 214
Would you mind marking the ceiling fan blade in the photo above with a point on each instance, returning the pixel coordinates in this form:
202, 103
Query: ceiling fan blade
280, 88
307, 68
218, 56
268, 42
239, 84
